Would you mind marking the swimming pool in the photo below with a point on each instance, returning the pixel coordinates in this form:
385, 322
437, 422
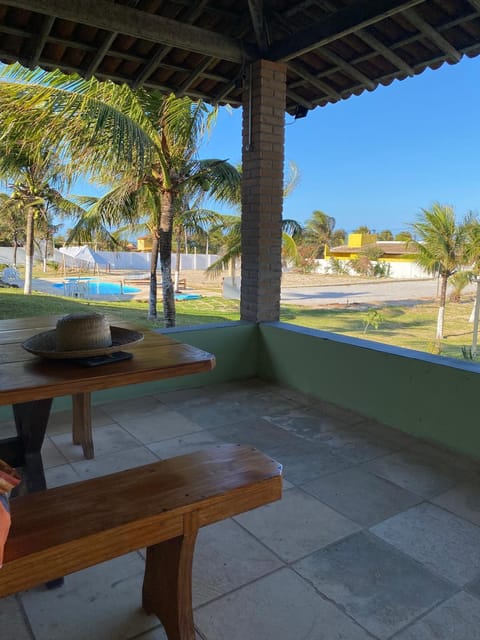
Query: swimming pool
79, 287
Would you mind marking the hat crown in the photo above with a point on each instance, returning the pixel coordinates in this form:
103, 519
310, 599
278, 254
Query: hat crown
83, 331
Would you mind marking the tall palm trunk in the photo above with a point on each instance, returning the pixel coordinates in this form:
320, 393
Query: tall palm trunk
152, 297
27, 286
177, 262
475, 318
441, 307
166, 232
15, 249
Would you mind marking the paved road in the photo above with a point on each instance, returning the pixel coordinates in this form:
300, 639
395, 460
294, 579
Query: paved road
387, 292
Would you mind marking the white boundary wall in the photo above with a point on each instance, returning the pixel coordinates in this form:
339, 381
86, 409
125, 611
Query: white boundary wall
401, 270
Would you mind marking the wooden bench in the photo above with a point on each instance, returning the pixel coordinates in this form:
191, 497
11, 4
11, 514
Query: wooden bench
159, 506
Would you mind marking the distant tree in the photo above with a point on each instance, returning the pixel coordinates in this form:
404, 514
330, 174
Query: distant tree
363, 229
473, 259
232, 249
35, 177
12, 224
441, 248
404, 236
385, 235
320, 231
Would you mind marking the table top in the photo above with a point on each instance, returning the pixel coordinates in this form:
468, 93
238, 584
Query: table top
25, 377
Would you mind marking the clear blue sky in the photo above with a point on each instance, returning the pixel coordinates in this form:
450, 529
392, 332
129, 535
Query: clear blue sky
378, 158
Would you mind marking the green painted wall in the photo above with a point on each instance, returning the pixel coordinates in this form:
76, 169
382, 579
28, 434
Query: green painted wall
405, 389
408, 390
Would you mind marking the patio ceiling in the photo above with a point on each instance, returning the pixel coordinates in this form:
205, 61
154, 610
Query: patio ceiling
332, 48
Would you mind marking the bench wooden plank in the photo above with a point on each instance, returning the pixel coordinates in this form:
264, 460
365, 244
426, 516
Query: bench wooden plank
159, 506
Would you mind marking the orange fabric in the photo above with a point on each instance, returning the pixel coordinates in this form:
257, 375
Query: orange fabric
9, 479
4, 525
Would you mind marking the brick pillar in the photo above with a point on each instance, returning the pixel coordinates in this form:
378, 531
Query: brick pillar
262, 191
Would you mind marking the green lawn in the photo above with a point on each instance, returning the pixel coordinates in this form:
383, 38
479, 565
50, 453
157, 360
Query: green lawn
410, 326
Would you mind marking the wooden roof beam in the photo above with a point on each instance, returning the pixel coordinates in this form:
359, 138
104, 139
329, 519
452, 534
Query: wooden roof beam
185, 86
347, 68
259, 25
300, 70
40, 41
387, 53
138, 24
344, 22
100, 54
475, 4
162, 52
432, 34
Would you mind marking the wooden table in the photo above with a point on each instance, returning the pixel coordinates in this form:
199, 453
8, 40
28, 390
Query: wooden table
30, 383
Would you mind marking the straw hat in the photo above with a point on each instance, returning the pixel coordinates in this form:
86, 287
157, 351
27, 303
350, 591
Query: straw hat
81, 335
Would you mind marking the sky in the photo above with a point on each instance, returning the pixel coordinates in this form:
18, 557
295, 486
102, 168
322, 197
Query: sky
379, 158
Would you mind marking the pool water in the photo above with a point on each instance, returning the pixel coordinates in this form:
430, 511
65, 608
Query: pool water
94, 287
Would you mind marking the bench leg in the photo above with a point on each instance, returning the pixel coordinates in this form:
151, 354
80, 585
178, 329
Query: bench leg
167, 586
82, 423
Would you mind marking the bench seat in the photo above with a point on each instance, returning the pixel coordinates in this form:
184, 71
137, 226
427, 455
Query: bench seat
159, 506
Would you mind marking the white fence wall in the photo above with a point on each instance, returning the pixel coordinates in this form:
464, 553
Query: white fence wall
401, 270
141, 261
125, 260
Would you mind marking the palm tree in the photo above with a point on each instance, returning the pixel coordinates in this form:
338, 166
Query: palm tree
35, 179
441, 247
12, 223
291, 230
473, 259
231, 227
385, 235
146, 142
191, 221
320, 230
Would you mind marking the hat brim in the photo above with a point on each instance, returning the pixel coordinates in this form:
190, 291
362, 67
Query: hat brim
45, 345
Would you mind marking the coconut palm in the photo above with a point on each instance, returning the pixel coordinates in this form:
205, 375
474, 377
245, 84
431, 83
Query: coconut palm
191, 221
230, 225
12, 223
35, 178
232, 249
473, 259
441, 247
146, 144
320, 231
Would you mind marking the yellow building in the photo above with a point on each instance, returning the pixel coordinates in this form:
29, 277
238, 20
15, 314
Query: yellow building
398, 257
360, 244
144, 243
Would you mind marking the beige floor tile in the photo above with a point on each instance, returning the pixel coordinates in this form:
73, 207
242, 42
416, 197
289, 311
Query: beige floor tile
101, 603
119, 461
227, 557
296, 525
280, 606
13, 625
107, 440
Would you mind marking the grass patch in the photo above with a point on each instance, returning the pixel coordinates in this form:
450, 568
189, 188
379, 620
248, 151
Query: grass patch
14, 304
412, 327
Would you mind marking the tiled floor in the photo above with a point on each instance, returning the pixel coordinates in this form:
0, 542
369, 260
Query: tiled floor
377, 535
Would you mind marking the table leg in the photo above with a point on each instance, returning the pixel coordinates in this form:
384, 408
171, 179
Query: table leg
31, 420
82, 423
